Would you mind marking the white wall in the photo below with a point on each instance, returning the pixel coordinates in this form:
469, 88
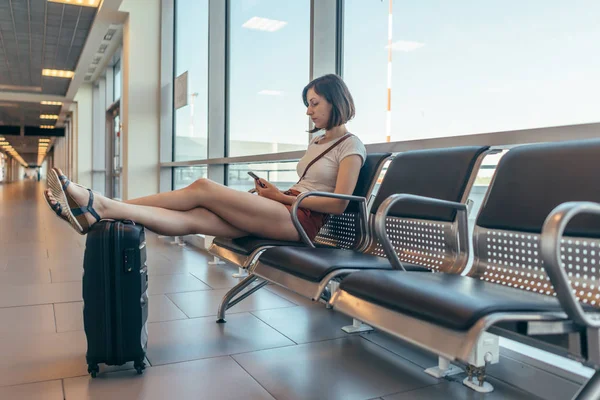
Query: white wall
83, 134
140, 100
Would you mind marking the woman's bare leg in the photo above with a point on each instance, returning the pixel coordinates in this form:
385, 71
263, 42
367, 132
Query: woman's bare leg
175, 200
244, 212
163, 221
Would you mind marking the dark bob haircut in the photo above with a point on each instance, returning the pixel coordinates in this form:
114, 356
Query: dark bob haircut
335, 91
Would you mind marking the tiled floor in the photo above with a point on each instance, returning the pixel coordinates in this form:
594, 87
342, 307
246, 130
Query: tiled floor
275, 345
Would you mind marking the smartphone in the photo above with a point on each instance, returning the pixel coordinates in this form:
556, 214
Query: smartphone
253, 175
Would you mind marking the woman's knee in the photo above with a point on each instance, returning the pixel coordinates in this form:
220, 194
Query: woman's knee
201, 184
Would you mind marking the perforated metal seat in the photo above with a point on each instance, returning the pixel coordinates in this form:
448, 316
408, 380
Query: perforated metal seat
249, 244
520, 258
341, 231
315, 264
426, 236
453, 301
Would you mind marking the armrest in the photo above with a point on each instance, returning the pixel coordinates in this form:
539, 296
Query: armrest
301, 197
552, 233
384, 210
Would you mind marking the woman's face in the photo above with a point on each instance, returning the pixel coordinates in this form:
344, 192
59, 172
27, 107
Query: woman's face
319, 109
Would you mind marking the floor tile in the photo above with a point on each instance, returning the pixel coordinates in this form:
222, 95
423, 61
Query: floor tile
71, 260
346, 369
216, 276
306, 324
188, 256
73, 274
27, 359
69, 316
457, 391
27, 295
164, 268
205, 303
198, 338
15, 274
24, 249
416, 355
291, 296
28, 236
29, 320
31, 261
204, 379
50, 390
161, 284
161, 308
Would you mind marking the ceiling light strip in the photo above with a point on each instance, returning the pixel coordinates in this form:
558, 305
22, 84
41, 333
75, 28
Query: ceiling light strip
58, 73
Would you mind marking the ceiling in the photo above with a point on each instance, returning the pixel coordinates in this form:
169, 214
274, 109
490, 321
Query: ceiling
37, 34
40, 34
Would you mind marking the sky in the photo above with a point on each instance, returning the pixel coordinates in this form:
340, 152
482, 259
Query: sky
459, 67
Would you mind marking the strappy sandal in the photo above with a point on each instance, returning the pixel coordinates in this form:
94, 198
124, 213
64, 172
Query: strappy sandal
57, 207
74, 214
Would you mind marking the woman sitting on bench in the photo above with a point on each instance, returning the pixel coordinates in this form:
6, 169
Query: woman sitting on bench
210, 208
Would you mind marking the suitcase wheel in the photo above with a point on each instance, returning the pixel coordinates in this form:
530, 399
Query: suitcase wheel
93, 369
139, 367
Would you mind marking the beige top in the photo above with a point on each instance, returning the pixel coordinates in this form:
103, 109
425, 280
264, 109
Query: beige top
322, 175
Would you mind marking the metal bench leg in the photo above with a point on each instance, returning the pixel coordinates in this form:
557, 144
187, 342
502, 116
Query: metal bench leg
356, 327
216, 261
176, 240
227, 303
484, 353
242, 273
590, 390
444, 368
332, 286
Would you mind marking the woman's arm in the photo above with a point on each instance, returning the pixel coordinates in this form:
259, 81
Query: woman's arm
346, 182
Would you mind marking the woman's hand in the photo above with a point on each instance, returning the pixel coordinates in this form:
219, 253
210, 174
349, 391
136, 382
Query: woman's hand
269, 190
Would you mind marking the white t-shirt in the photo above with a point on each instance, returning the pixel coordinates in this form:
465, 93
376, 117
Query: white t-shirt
322, 175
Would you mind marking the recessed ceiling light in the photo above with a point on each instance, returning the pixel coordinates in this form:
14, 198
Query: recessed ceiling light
48, 116
264, 24
57, 73
85, 3
51, 103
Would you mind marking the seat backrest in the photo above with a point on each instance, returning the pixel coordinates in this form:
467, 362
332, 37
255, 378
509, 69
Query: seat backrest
530, 181
423, 234
344, 230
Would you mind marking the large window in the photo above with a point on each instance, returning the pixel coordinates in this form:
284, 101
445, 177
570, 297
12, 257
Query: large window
268, 68
191, 57
185, 176
281, 174
462, 67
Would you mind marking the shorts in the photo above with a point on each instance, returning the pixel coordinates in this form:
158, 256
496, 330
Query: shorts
311, 221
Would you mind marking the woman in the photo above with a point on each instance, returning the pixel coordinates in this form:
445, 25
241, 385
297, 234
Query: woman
210, 208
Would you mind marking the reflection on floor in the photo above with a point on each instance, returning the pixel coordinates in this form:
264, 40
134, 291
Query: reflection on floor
274, 344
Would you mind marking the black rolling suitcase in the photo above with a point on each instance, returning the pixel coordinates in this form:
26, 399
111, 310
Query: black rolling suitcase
115, 283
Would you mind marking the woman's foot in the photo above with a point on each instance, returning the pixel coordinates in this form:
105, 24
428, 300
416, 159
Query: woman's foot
78, 197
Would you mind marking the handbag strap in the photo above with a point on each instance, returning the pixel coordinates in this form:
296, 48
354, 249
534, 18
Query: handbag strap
323, 153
